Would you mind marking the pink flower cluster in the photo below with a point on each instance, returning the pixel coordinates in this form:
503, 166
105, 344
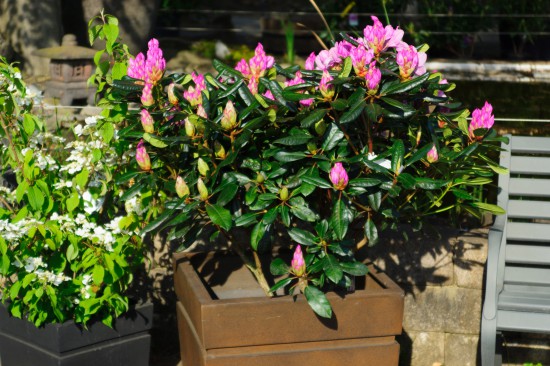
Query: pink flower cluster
367, 55
481, 118
193, 94
149, 69
256, 67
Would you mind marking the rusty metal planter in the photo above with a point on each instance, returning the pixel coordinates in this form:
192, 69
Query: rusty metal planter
225, 319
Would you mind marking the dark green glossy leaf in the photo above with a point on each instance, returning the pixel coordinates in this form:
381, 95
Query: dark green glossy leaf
316, 181
398, 151
302, 237
227, 194
280, 284
246, 219
430, 184
257, 234
354, 268
219, 216
332, 137
278, 267
332, 268
318, 301
313, 117
371, 232
405, 86
340, 219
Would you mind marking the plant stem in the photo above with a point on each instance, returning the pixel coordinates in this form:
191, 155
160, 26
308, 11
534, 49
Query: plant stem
254, 267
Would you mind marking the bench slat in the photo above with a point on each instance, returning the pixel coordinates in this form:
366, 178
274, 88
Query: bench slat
530, 144
528, 231
527, 254
530, 165
523, 301
529, 209
529, 187
527, 276
523, 321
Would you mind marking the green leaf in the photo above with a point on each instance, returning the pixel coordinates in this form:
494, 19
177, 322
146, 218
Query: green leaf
318, 301
354, 268
397, 104
163, 217
371, 232
302, 237
227, 194
287, 157
405, 86
299, 208
98, 274
332, 268
494, 209
313, 117
257, 234
332, 137
108, 132
398, 151
280, 284
28, 124
375, 200
278, 267
73, 201
419, 154
316, 181
293, 140
154, 140
36, 198
430, 184
220, 216
354, 112
340, 219
346, 68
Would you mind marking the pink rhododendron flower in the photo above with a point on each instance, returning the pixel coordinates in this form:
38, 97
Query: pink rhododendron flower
136, 67
373, 77
194, 94
338, 176
410, 61
310, 61
481, 118
379, 38
327, 89
324, 60
269, 95
298, 264
201, 112
243, 68
142, 157
147, 121
360, 59
432, 155
260, 62
155, 63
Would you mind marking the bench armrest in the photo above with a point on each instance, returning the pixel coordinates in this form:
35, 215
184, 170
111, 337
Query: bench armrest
495, 266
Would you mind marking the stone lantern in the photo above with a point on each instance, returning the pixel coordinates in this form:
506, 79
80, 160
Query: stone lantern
70, 67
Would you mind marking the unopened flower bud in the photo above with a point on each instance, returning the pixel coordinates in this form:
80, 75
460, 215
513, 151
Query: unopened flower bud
181, 187
283, 193
219, 150
203, 191
320, 127
260, 178
432, 155
189, 127
339, 176
142, 157
147, 121
312, 147
203, 167
229, 118
298, 265
147, 95
172, 98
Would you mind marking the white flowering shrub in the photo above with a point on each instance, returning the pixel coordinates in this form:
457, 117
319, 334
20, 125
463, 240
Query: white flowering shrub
67, 251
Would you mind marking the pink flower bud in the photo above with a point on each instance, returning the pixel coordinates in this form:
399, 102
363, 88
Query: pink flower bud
172, 98
432, 155
155, 63
339, 176
142, 157
298, 265
373, 77
229, 118
147, 121
182, 189
147, 95
310, 62
481, 118
136, 67
327, 89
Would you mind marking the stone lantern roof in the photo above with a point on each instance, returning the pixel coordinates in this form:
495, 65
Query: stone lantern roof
69, 50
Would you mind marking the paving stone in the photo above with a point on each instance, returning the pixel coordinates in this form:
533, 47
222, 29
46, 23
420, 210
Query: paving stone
461, 349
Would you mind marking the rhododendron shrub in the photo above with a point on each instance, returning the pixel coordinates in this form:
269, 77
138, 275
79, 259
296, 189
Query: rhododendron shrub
323, 157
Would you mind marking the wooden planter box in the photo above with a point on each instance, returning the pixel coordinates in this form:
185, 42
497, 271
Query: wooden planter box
225, 319
68, 344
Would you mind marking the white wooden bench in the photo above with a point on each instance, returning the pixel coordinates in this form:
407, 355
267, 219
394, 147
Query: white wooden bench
517, 292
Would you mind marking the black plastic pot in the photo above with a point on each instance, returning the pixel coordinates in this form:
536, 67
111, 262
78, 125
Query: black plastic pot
68, 344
